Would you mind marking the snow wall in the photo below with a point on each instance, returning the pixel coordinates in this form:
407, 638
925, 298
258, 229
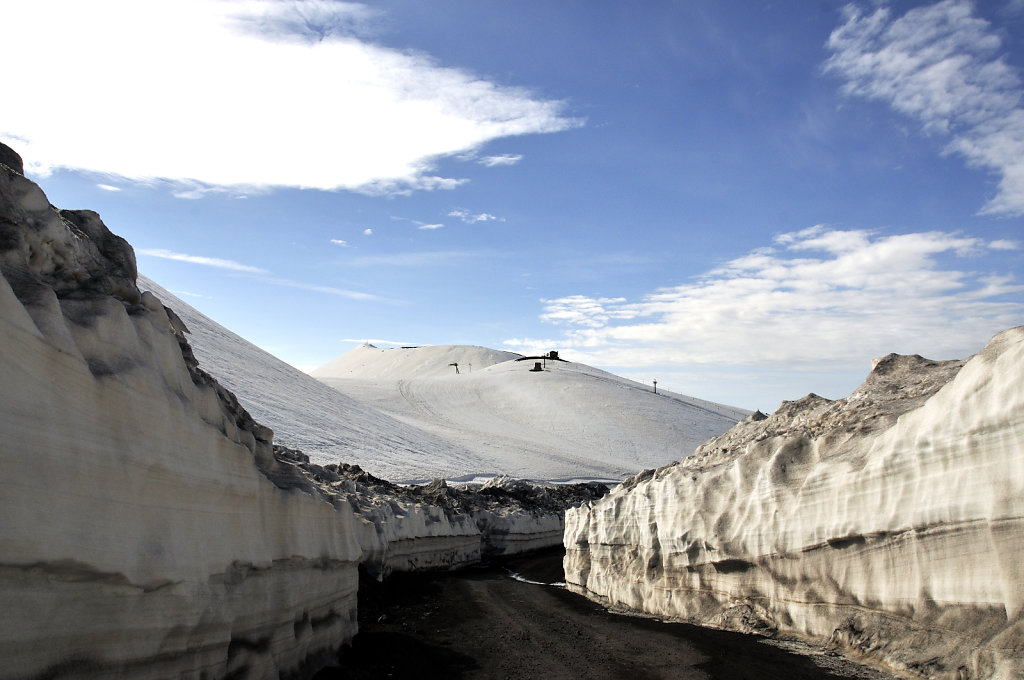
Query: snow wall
888, 523
147, 529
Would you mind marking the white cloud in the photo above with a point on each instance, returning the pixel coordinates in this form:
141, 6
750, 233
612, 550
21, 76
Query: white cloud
339, 242
419, 259
503, 159
815, 297
419, 225
406, 186
264, 275
470, 218
940, 65
368, 232
185, 293
250, 93
330, 290
533, 346
199, 259
108, 187
1004, 244
192, 191
307, 20
580, 310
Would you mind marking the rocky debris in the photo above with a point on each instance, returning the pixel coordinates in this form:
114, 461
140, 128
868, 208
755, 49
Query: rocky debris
69, 254
897, 384
502, 516
537, 497
500, 493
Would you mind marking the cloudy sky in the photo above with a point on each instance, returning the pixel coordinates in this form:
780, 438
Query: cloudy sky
746, 201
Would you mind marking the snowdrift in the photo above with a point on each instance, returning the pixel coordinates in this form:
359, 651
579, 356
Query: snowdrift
888, 523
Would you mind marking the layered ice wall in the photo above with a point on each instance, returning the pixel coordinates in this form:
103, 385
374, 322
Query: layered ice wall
888, 523
147, 529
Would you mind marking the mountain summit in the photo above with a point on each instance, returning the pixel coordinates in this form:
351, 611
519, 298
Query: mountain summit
566, 420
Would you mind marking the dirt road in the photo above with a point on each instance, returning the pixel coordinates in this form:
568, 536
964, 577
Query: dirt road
482, 623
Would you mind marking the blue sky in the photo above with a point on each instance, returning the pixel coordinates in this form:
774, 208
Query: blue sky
746, 201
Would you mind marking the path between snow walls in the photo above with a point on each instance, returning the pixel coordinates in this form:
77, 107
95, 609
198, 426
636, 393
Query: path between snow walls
151, 528
888, 524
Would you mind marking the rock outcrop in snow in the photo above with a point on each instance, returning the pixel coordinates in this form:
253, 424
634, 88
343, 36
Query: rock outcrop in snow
889, 523
148, 530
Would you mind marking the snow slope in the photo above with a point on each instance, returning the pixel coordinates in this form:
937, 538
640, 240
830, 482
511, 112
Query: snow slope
568, 420
405, 415
306, 414
889, 522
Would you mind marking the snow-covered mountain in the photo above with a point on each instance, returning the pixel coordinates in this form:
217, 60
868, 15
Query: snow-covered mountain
406, 415
567, 420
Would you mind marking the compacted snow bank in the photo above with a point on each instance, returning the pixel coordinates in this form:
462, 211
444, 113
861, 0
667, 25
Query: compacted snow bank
148, 530
888, 523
